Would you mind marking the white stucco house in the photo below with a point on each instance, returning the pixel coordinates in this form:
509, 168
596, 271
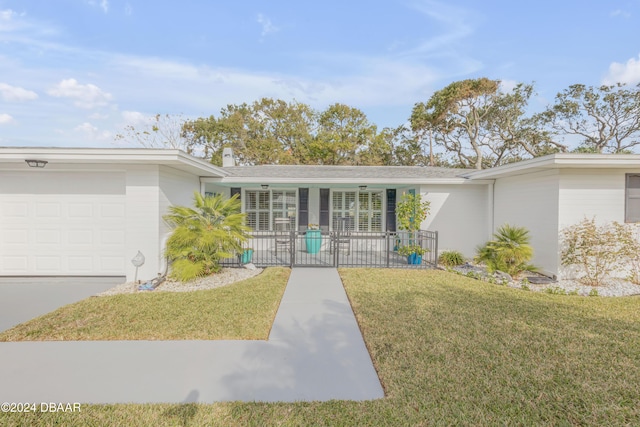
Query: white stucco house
88, 212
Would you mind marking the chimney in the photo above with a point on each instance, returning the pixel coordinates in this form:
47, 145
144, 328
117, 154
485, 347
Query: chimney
227, 157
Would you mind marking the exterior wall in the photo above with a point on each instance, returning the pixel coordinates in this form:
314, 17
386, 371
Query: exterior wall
143, 220
460, 215
591, 193
176, 188
588, 193
531, 201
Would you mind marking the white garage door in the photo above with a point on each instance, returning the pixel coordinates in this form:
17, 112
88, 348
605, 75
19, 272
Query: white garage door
62, 223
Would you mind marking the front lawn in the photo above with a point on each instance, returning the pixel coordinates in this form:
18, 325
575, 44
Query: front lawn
244, 310
451, 351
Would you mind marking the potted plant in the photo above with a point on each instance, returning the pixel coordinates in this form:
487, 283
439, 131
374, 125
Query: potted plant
313, 238
413, 253
410, 212
247, 256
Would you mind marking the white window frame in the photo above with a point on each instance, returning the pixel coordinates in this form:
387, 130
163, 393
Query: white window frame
291, 211
356, 209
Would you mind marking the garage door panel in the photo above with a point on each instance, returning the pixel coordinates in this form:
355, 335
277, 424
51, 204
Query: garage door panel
71, 232
14, 210
47, 210
15, 236
80, 264
81, 237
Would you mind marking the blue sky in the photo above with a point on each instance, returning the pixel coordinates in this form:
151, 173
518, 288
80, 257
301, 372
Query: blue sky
74, 72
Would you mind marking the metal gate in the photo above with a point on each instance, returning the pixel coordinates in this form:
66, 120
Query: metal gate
315, 248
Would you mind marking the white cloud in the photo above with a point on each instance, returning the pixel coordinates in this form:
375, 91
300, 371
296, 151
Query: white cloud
507, 85
619, 12
85, 96
6, 119
14, 93
98, 116
134, 117
267, 25
628, 73
93, 133
103, 4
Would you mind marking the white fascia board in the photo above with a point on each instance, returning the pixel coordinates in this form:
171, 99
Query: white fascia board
231, 180
175, 158
557, 161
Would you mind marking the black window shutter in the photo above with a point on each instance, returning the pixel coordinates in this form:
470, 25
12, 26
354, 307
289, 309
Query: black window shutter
303, 208
391, 209
324, 209
236, 190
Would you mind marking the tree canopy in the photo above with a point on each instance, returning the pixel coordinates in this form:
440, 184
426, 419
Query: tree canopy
606, 119
473, 123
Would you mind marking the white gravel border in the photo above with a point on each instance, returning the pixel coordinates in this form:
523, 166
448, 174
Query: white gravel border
225, 277
614, 287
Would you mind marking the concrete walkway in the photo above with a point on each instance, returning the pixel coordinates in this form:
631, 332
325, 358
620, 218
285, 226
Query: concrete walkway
315, 352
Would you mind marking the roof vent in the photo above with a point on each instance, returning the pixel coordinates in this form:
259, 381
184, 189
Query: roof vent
227, 157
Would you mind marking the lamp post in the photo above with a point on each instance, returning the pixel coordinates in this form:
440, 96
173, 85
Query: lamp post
137, 261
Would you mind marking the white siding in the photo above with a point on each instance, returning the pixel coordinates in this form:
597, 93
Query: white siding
176, 188
460, 215
531, 201
588, 193
142, 220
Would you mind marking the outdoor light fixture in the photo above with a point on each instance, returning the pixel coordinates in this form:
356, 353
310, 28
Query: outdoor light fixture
36, 163
137, 262
264, 186
362, 187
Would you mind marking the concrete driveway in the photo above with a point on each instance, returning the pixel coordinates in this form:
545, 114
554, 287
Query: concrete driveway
23, 298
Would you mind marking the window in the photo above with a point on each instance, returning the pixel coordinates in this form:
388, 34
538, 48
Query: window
262, 207
365, 215
632, 204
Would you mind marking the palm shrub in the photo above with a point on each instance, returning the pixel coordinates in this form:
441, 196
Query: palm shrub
509, 251
213, 229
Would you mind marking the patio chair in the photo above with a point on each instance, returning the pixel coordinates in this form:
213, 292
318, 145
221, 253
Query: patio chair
283, 234
342, 239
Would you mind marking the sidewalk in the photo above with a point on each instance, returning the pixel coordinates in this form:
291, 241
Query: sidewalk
315, 352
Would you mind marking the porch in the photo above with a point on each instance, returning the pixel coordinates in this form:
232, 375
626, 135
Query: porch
315, 248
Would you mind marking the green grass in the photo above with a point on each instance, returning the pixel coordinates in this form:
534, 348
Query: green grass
244, 310
451, 351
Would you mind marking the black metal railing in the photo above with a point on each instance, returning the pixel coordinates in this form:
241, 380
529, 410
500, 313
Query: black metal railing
315, 248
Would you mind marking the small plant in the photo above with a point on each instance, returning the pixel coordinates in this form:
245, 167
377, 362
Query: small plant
593, 292
525, 287
573, 292
509, 251
525, 281
597, 250
408, 250
555, 290
451, 258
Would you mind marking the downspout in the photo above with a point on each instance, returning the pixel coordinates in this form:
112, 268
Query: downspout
490, 205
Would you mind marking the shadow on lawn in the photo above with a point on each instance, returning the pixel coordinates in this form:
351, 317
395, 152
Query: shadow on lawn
186, 411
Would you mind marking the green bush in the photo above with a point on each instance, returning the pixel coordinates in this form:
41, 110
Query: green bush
509, 251
451, 258
214, 229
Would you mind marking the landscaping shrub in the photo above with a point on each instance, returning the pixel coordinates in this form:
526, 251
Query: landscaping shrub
598, 251
451, 258
509, 251
214, 229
